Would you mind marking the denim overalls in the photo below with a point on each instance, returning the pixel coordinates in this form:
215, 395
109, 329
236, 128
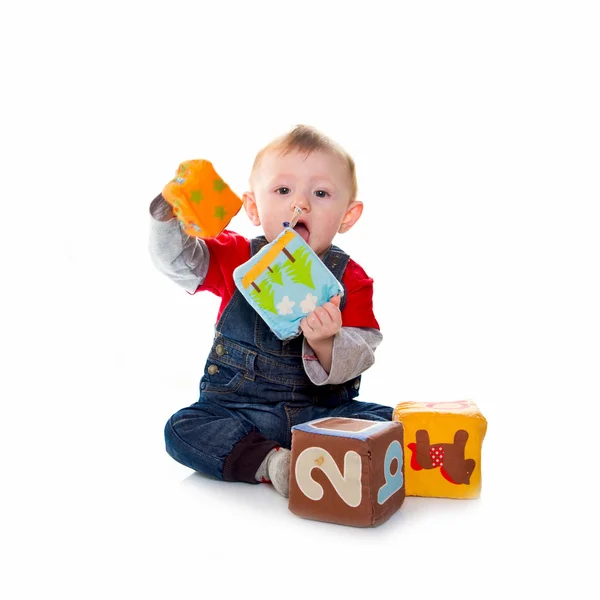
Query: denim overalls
254, 389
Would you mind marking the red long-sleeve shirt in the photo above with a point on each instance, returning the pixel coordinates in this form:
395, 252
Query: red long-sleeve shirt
230, 249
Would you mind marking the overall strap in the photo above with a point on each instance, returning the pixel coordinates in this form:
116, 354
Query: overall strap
336, 260
257, 243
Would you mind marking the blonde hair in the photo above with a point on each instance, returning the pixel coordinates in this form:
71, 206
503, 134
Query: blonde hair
304, 138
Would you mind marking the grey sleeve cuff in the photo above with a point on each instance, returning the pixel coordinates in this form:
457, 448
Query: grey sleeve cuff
182, 258
160, 209
353, 353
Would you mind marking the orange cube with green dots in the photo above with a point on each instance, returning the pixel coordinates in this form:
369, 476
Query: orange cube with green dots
201, 200
442, 448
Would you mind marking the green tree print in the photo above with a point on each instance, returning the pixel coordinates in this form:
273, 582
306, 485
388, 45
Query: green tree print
266, 298
301, 271
275, 275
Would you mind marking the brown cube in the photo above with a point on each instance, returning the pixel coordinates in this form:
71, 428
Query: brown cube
347, 471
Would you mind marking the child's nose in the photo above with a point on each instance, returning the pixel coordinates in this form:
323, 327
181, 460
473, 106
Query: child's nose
302, 202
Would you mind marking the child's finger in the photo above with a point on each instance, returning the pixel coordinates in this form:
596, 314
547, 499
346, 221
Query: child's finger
306, 327
313, 320
321, 314
332, 309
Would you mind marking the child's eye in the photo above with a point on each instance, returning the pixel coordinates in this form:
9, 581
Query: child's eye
283, 191
321, 194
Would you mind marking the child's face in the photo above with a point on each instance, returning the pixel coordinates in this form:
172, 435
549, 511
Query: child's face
318, 183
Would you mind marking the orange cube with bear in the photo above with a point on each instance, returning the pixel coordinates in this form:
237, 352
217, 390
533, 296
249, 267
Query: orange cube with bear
442, 448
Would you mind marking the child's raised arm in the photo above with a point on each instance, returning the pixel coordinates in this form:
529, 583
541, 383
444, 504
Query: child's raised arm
182, 258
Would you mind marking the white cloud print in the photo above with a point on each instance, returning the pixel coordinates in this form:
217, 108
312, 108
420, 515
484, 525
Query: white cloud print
309, 303
285, 306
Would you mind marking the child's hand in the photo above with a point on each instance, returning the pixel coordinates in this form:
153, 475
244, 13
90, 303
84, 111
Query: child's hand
323, 322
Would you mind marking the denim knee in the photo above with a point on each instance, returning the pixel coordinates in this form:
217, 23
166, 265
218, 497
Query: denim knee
189, 456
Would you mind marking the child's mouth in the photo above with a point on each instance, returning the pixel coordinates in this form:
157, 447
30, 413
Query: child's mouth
302, 231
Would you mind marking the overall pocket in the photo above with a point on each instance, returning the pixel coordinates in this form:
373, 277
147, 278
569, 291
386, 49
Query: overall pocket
221, 379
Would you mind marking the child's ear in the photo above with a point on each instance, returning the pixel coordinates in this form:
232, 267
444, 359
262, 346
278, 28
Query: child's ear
251, 208
352, 215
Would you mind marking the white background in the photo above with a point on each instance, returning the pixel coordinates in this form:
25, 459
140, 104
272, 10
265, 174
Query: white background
475, 128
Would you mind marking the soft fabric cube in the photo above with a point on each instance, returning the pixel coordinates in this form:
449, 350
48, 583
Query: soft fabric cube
347, 471
201, 200
442, 445
285, 281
